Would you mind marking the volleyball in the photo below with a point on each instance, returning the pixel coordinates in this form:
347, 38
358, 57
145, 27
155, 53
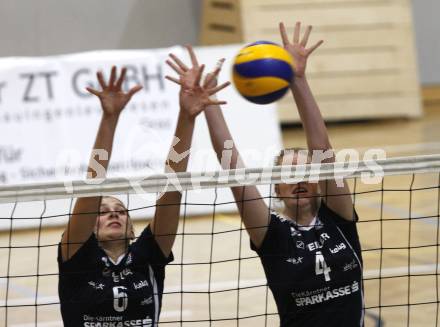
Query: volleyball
263, 72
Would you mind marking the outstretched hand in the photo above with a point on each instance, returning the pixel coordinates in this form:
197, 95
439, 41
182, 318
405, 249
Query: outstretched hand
194, 97
298, 48
113, 98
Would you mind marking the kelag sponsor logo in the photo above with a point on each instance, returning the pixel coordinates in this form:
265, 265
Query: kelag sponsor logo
338, 248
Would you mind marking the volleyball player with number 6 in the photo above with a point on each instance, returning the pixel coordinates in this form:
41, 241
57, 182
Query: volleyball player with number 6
104, 280
310, 251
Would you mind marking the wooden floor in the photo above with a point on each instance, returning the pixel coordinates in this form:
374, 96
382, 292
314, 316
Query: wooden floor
391, 243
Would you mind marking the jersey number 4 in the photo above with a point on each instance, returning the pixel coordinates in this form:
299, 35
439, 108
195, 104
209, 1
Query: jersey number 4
321, 266
120, 298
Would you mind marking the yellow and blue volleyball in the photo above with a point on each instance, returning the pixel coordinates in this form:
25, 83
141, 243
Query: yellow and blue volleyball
263, 72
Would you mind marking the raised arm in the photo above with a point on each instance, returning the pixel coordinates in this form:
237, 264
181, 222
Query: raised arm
83, 218
193, 99
253, 210
337, 198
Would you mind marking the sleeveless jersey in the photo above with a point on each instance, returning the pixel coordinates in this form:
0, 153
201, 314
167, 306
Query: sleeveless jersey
315, 274
95, 292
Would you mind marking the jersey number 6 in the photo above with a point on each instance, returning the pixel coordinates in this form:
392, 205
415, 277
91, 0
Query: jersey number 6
321, 267
120, 298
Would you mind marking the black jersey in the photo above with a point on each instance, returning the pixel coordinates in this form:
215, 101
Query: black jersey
315, 275
94, 292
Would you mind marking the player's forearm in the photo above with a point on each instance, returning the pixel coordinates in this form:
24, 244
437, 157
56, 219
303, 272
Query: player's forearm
311, 118
102, 148
165, 222
99, 161
84, 213
219, 134
178, 156
98, 164
252, 208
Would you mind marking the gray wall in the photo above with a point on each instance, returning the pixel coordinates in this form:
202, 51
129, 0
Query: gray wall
47, 27
427, 26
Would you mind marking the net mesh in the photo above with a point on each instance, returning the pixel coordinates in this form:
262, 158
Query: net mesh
215, 279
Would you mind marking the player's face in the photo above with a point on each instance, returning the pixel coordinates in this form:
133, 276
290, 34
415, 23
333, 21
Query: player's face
113, 222
299, 195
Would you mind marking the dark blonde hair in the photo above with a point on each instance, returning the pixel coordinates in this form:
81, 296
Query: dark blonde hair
279, 158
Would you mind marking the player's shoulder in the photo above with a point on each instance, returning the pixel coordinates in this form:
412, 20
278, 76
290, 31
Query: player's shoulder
279, 222
276, 215
327, 214
86, 255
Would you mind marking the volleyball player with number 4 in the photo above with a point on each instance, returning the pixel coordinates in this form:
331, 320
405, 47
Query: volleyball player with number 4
310, 250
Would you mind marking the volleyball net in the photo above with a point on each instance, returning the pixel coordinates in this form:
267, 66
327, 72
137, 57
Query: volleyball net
215, 278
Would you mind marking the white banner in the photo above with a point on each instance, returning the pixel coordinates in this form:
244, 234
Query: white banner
49, 121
